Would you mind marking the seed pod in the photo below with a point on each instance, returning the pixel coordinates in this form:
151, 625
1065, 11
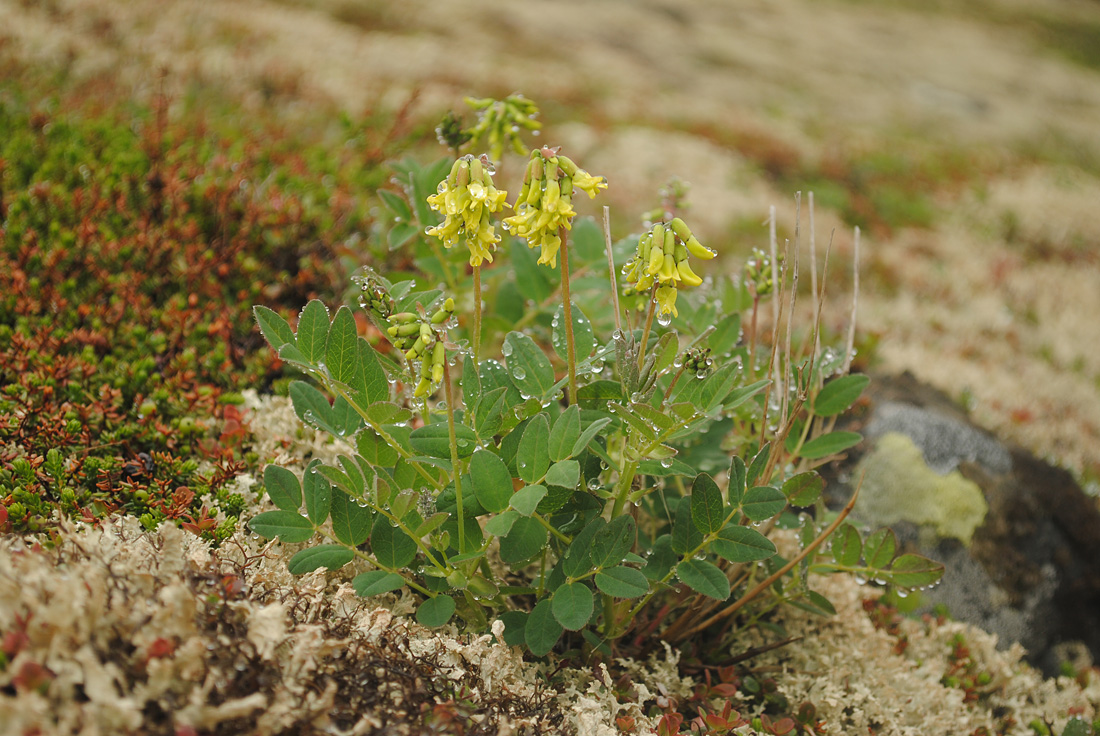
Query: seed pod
567, 166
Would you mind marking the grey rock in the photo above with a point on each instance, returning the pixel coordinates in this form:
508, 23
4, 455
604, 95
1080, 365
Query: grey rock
1029, 571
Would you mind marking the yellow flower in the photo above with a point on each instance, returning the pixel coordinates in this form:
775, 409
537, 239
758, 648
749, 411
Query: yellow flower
466, 199
544, 206
666, 300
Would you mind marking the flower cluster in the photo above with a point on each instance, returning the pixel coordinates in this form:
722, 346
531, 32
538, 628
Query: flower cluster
545, 202
467, 198
500, 121
662, 260
759, 274
419, 337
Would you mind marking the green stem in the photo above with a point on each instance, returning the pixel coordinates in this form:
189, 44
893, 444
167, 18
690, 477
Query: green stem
622, 488
454, 453
477, 315
550, 528
571, 350
648, 325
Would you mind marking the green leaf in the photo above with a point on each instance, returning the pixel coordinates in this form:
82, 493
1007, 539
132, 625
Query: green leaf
501, 524
313, 332
342, 351
542, 630
914, 571
528, 366
492, 481
814, 603
741, 395
657, 468
435, 612
803, 489
376, 582
586, 240
584, 341
704, 577
351, 523
283, 488
387, 412
434, 440
846, 545
572, 605
839, 394
274, 328
430, 524
589, 434
757, 466
1078, 727
685, 536
737, 481
391, 546
526, 539
717, 387
514, 623
288, 526
742, 544
763, 502
490, 412
706, 504
595, 395
578, 558
566, 474
375, 450
526, 500
345, 419
332, 556
318, 494
291, 355
829, 444
622, 582
533, 459
726, 333
375, 386
614, 542
661, 558
880, 548
564, 435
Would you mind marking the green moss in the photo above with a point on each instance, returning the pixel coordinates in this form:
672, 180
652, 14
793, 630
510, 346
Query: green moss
899, 486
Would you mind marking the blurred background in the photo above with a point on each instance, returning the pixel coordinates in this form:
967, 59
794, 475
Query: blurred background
963, 138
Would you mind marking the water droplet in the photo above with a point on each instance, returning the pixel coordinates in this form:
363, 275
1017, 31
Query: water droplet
860, 579
664, 319
678, 361
518, 373
506, 349
666, 462
902, 592
593, 484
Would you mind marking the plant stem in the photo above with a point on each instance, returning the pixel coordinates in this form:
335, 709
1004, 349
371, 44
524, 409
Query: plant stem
571, 350
622, 491
454, 453
648, 325
476, 337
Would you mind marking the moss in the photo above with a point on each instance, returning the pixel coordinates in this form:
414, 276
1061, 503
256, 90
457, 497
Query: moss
899, 486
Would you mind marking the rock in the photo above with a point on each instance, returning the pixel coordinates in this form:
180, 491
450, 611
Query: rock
1019, 537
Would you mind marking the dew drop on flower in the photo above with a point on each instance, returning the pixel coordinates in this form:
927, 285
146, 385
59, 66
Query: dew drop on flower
664, 319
